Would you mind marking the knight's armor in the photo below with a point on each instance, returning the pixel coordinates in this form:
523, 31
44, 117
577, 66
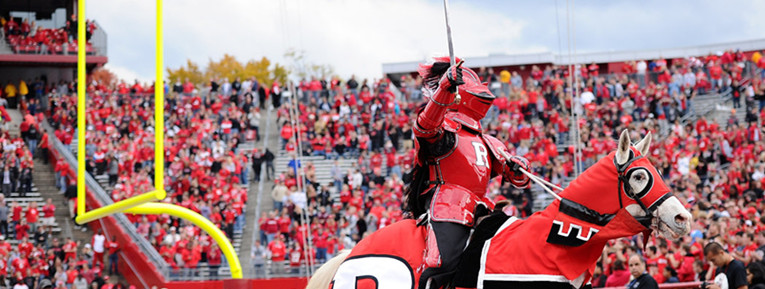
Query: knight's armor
454, 164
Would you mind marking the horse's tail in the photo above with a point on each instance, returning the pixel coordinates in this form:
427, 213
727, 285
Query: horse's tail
323, 276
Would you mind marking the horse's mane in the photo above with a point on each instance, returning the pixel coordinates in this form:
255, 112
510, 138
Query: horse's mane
323, 276
416, 180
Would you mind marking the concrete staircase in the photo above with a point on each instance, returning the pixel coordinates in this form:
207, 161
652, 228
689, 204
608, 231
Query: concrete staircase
5, 48
259, 193
43, 187
45, 179
323, 167
715, 107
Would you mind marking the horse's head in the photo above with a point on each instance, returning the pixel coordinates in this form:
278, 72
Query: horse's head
626, 179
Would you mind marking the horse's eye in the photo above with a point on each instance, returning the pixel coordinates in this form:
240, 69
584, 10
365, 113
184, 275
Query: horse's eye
639, 177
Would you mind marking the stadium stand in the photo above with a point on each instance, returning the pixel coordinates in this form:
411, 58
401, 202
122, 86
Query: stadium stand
705, 112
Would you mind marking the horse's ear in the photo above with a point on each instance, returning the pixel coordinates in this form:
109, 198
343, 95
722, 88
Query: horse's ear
623, 150
644, 145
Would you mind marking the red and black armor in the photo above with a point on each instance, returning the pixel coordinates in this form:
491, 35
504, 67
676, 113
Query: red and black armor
454, 163
460, 160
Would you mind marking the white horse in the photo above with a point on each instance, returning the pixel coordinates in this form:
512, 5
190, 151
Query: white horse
620, 196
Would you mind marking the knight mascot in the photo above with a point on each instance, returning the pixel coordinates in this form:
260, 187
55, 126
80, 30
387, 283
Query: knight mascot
454, 164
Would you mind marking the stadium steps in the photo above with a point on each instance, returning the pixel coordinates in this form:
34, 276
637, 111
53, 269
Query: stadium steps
44, 178
258, 200
16, 120
39, 188
723, 112
4, 47
323, 168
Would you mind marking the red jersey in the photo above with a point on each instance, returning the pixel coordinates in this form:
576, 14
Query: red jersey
70, 251
26, 248
17, 213
284, 224
272, 226
32, 215
113, 247
295, 256
278, 250
49, 211
20, 265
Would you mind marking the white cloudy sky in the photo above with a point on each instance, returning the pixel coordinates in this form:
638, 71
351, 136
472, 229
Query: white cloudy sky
357, 36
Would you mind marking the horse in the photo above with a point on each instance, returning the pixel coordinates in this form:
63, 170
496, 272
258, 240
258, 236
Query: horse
619, 196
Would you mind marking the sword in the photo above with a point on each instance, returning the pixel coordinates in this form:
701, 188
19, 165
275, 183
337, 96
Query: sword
457, 98
449, 32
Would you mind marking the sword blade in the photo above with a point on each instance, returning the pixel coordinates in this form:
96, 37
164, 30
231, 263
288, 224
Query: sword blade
449, 33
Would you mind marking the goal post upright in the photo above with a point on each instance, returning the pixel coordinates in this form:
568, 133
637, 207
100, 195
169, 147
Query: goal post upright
145, 203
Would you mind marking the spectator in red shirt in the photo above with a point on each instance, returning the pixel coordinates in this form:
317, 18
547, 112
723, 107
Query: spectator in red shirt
214, 258
284, 224
296, 256
320, 242
20, 264
272, 227
70, 249
188, 87
17, 212
114, 249
229, 217
49, 214
286, 134
619, 277
26, 247
22, 230
61, 169
278, 254
32, 215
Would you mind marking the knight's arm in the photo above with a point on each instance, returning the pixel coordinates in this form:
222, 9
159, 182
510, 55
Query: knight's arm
430, 120
506, 165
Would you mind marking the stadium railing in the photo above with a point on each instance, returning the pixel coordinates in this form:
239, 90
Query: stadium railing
136, 252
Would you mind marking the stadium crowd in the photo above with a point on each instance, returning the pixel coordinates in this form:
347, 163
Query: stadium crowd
205, 171
30, 255
26, 37
717, 169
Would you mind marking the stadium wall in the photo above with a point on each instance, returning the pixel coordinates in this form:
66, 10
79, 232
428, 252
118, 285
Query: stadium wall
53, 74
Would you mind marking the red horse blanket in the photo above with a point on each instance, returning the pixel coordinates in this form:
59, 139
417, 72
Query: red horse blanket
551, 246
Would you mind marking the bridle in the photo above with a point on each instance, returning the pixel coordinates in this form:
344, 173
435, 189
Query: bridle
623, 185
623, 175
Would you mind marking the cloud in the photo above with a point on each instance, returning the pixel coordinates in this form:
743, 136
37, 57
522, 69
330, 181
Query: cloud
353, 36
357, 36
127, 74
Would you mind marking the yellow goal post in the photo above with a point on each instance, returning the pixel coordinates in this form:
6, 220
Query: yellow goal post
145, 203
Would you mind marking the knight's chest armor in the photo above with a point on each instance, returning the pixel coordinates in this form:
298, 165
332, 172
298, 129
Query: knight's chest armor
467, 164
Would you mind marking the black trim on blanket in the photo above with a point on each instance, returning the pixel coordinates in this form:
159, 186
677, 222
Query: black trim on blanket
583, 213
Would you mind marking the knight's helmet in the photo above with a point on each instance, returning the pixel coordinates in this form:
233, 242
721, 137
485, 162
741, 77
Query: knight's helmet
475, 98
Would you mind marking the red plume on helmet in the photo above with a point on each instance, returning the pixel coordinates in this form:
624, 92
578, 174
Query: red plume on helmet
476, 98
432, 71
